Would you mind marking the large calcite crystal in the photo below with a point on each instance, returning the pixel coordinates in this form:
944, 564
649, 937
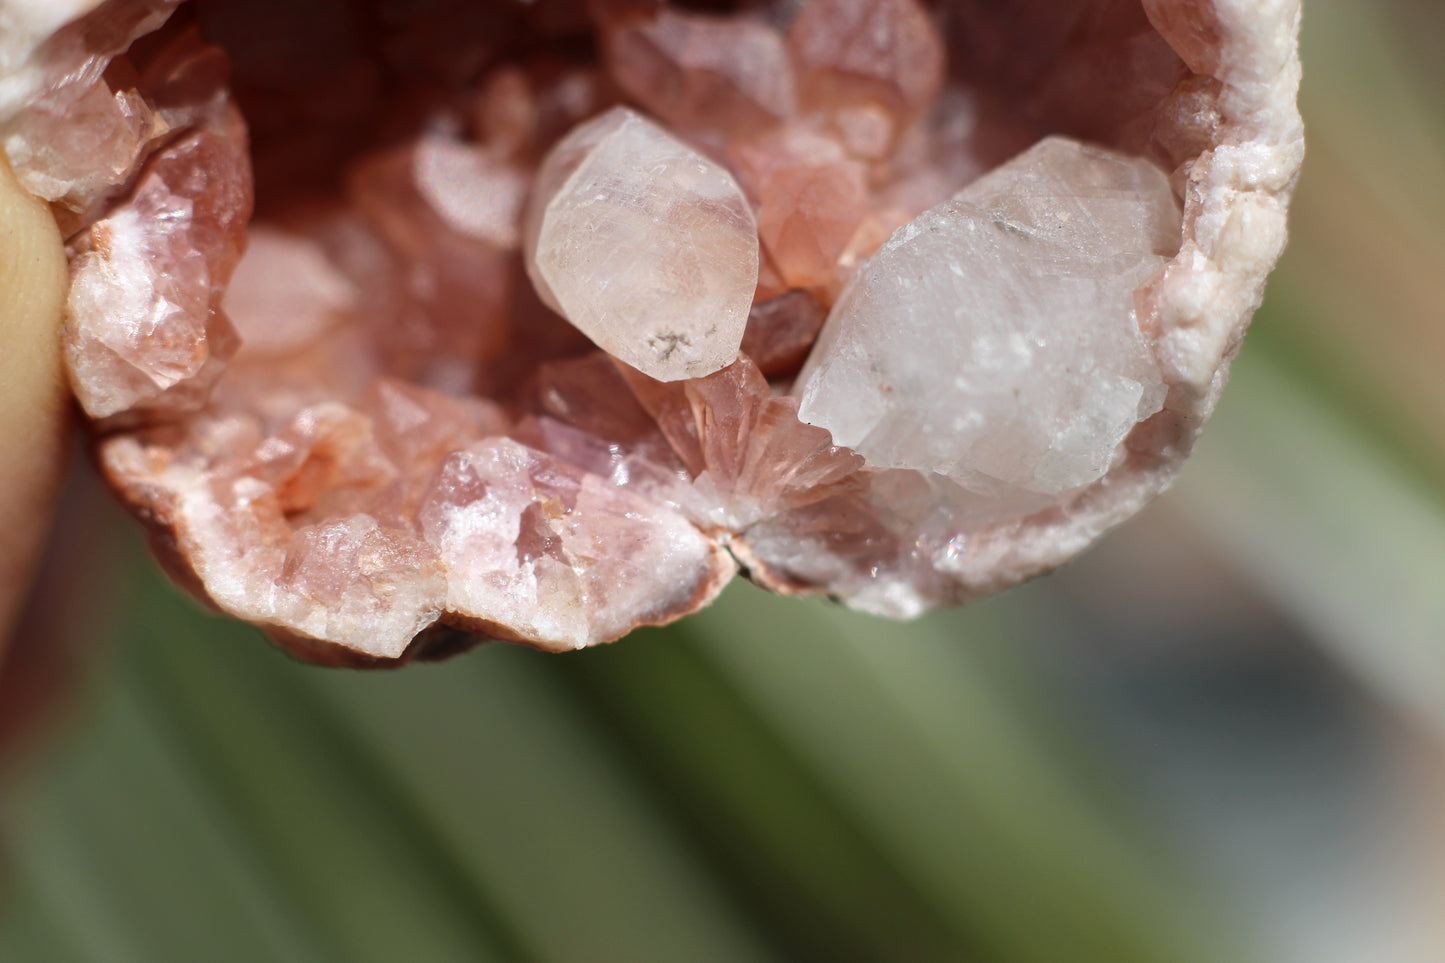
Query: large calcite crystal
541, 320
645, 245
993, 339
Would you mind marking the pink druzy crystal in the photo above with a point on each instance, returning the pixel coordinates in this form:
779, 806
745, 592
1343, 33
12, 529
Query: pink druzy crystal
351, 308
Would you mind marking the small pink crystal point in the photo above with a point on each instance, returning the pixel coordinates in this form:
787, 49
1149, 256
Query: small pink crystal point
1192, 29
452, 259
874, 63
478, 195
144, 326
74, 152
810, 199
729, 74
781, 330
285, 292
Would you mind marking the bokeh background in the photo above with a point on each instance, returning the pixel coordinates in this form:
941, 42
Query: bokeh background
1219, 736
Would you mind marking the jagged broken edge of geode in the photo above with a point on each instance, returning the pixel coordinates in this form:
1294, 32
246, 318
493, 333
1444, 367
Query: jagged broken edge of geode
1235, 196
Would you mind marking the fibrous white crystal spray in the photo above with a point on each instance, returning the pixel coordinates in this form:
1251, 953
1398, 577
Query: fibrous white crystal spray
646, 246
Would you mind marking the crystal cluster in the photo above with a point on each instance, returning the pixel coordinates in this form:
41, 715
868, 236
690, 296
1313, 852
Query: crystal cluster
144, 325
541, 320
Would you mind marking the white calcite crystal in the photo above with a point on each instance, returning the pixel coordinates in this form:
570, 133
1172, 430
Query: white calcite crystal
646, 246
993, 339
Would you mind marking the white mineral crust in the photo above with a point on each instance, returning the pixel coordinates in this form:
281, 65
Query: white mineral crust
646, 246
993, 339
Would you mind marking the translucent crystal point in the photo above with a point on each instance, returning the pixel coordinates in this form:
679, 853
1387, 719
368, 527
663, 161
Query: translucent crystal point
646, 246
993, 339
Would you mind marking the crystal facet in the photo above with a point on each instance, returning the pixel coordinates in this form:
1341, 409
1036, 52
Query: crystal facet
993, 339
871, 66
731, 73
646, 246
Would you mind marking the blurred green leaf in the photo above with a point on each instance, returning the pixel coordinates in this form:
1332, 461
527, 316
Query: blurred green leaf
1324, 520
776, 779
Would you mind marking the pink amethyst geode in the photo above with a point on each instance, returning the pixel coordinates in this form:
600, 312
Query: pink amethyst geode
542, 319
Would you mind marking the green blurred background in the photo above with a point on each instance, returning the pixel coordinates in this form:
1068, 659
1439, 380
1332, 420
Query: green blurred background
1219, 736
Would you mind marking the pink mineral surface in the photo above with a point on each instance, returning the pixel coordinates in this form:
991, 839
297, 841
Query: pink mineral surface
354, 285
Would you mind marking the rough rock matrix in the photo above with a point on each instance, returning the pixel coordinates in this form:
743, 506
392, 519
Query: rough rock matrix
541, 320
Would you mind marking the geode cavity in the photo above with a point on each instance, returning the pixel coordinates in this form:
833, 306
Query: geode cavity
365, 374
